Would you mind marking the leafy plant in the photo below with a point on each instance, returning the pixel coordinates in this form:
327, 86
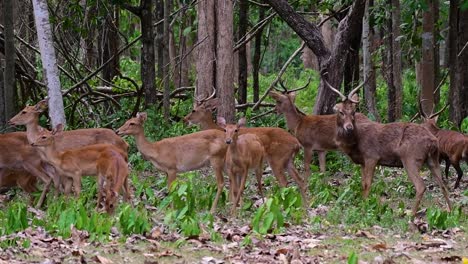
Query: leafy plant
442, 219
133, 220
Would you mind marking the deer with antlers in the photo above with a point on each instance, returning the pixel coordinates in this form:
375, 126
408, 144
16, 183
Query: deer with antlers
396, 144
280, 146
312, 131
453, 145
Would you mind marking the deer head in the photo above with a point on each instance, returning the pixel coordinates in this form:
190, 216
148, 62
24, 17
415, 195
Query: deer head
29, 113
134, 125
231, 131
46, 138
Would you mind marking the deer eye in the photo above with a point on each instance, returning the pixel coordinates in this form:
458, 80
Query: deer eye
23, 112
43, 137
193, 111
341, 113
237, 130
131, 124
225, 130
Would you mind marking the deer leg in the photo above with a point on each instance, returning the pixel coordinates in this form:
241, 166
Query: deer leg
77, 183
100, 187
367, 174
308, 154
459, 172
41, 175
218, 167
171, 176
243, 177
258, 176
126, 190
447, 167
322, 160
412, 167
295, 175
278, 170
434, 166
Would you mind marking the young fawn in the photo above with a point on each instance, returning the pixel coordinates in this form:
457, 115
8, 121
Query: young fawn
244, 152
182, 153
88, 160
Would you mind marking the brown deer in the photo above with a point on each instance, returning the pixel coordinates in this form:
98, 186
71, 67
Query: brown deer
453, 145
17, 155
182, 153
396, 144
113, 173
77, 162
29, 117
244, 152
280, 146
23, 179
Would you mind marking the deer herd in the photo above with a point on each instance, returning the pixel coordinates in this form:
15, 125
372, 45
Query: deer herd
62, 157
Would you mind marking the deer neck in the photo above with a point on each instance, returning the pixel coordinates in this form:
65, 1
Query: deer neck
142, 143
293, 118
32, 129
50, 154
208, 123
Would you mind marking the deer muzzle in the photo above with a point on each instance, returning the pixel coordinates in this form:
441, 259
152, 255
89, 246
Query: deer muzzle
228, 141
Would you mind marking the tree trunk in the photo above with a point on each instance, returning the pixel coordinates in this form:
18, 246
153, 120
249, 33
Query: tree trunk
49, 62
351, 69
368, 64
461, 94
205, 62
436, 33
242, 52
396, 63
110, 47
331, 62
452, 60
427, 61
159, 40
224, 59
257, 57
148, 72
166, 65
9, 91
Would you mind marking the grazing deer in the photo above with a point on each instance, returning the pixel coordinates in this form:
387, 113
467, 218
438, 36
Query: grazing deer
396, 144
453, 145
113, 173
77, 162
21, 178
280, 146
244, 152
182, 153
17, 155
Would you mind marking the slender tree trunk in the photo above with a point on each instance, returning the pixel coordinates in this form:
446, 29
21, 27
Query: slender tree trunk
368, 63
461, 94
49, 62
436, 33
257, 56
427, 61
242, 52
453, 61
396, 61
205, 62
351, 69
159, 40
148, 72
387, 67
224, 59
166, 79
110, 47
9, 92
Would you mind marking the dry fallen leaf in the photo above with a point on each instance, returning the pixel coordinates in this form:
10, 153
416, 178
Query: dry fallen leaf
366, 234
380, 247
102, 260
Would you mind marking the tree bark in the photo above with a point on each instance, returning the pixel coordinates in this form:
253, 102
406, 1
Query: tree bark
427, 61
159, 39
205, 62
257, 57
331, 62
148, 72
461, 94
224, 59
9, 91
242, 52
49, 62
166, 79
110, 44
396, 112
436, 33
368, 63
453, 61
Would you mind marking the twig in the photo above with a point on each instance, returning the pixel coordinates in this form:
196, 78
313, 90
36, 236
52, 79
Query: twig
281, 72
249, 35
262, 114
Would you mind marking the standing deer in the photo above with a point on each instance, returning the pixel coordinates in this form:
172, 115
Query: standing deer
244, 152
17, 155
453, 145
182, 153
396, 144
29, 117
280, 146
77, 162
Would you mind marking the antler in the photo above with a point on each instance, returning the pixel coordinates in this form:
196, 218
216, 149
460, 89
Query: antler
342, 96
200, 101
285, 90
439, 112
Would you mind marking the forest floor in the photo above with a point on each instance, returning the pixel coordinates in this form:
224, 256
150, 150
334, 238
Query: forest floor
237, 242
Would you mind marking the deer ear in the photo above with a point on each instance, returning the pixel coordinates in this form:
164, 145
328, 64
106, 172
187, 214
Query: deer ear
337, 107
436, 118
58, 129
41, 105
242, 122
212, 104
221, 121
276, 96
142, 116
